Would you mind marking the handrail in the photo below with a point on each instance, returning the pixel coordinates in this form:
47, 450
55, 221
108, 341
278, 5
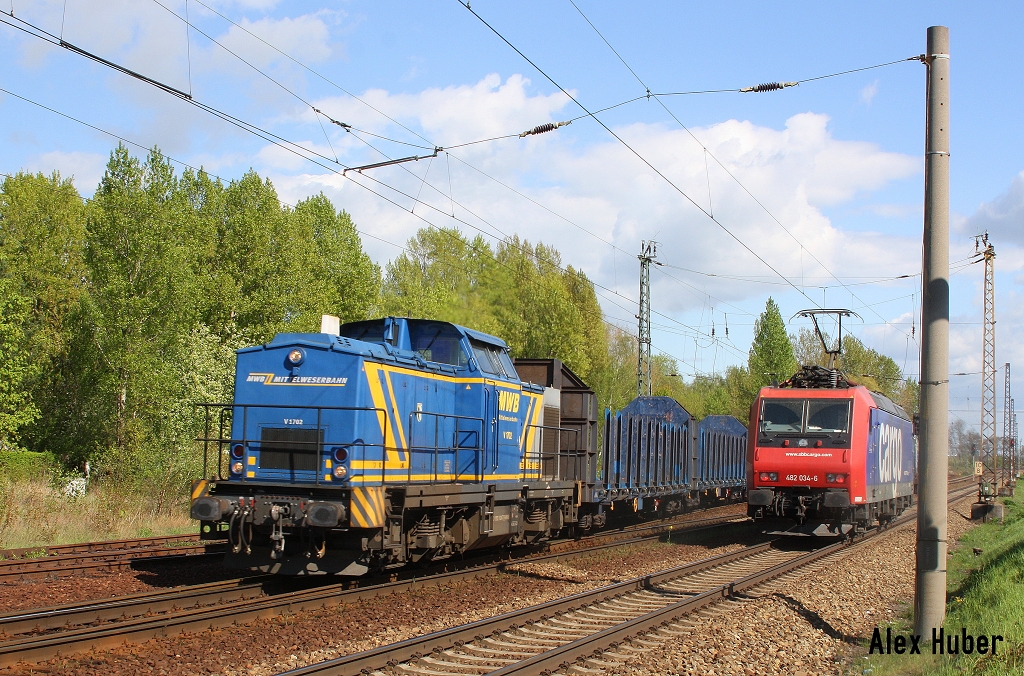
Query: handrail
478, 450
570, 453
230, 408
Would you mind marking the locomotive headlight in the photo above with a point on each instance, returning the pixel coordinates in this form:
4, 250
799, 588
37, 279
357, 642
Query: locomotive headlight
773, 476
340, 472
830, 478
295, 357
236, 468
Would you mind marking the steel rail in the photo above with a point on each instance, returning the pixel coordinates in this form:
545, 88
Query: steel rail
150, 603
547, 661
595, 644
67, 565
96, 547
246, 603
420, 646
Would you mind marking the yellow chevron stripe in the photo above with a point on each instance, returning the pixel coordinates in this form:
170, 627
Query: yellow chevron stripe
199, 488
394, 410
360, 513
380, 402
377, 394
367, 507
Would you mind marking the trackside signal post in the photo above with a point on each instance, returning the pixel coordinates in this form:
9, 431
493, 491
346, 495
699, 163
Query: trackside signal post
930, 591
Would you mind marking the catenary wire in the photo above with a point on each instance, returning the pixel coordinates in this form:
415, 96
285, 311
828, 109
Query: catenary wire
253, 35
636, 153
719, 162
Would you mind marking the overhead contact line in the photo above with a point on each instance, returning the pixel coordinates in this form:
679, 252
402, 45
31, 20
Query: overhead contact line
766, 87
635, 152
436, 148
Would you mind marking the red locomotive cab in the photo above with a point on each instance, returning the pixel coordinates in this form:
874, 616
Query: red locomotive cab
807, 451
803, 438
841, 457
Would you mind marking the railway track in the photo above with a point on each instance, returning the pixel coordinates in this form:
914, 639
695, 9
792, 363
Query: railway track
17, 565
553, 636
63, 630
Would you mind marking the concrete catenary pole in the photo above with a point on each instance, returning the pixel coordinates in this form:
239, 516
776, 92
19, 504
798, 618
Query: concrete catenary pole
930, 597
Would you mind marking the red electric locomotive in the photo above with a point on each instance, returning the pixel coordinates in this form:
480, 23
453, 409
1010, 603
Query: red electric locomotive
829, 455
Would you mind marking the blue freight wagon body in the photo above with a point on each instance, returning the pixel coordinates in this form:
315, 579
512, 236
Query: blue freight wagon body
890, 456
721, 454
657, 456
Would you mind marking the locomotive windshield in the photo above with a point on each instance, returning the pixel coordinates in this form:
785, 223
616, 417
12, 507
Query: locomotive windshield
438, 342
780, 415
828, 415
796, 416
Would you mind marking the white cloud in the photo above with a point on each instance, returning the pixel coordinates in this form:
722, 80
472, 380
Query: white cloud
795, 172
1003, 217
867, 95
306, 38
85, 168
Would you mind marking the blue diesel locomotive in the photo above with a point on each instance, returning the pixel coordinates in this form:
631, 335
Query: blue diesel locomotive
395, 440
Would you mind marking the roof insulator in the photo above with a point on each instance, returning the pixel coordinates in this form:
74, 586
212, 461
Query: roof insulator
541, 128
769, 87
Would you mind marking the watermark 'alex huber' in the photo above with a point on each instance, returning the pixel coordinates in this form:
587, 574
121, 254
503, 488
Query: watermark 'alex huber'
942, 644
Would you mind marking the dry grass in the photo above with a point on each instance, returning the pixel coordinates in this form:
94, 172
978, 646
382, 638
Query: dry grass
35, 514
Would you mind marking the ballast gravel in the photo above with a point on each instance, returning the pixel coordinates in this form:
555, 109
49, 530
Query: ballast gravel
157, 576
807, 623
278, 644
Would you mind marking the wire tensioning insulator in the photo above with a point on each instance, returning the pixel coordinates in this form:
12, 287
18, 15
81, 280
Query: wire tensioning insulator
541, 128
769, 87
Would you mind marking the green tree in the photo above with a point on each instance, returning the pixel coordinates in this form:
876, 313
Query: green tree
771, 354
519, 292
143, 300
337, 276
42, 231
16, 406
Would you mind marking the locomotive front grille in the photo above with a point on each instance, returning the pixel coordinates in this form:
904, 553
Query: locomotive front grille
290, 448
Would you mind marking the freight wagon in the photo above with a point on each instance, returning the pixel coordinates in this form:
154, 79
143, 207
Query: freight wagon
392, 441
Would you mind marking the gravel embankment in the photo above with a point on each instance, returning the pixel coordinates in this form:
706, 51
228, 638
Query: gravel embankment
158, 576
270, 646
806, 623
162, 575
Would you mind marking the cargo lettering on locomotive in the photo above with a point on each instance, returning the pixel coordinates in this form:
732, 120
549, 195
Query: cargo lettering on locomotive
890, 453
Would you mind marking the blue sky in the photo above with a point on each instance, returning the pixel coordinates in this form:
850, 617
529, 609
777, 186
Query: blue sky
836, 162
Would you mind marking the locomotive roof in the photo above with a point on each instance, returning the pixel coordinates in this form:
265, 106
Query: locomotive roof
852, 392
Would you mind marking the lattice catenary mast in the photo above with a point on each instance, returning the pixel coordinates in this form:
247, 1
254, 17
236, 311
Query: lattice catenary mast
988, 365
1006, 473
644, 385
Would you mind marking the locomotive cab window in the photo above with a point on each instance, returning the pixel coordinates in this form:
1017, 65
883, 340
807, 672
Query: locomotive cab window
506, 363
781, 415
828, 415
438, 342
369, 331
494, 360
